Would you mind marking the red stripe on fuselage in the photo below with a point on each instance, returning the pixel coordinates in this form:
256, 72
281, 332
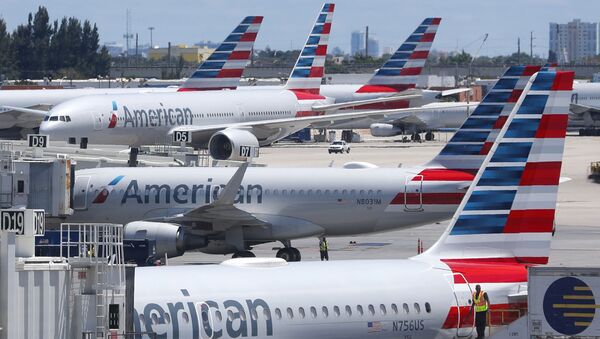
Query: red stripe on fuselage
307, 94
488, 270
443, 174
499, 314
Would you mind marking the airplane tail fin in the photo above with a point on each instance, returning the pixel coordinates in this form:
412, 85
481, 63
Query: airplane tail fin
403, 69
469, 146
507, 215
224, 67
309, 68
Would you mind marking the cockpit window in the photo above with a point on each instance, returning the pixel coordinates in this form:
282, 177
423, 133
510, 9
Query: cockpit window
46, 118
68, 118
54, 118
62, 118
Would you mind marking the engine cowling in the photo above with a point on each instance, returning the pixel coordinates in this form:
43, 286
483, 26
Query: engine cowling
233, 144
384, 130
170, 239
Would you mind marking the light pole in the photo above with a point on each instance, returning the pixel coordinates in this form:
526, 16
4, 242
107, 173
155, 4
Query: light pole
151, 44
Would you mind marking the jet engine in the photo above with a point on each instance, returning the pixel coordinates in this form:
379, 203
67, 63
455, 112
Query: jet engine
233, 144
170, 239
384, 130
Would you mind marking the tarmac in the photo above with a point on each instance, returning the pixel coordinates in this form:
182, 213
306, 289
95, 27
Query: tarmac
576, 241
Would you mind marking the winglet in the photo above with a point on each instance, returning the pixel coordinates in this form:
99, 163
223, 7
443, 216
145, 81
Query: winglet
308, 71
224, 67
227, 195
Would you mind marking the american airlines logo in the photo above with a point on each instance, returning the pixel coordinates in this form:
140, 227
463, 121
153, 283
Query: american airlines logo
103, 195
159, 116
187, 194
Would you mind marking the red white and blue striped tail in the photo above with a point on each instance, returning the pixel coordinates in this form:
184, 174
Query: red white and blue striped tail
308, 71
403, 69
507, 215
224, 67
469, 146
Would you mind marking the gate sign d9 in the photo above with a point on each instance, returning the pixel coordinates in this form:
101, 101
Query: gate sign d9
37, 140
182, 136
23, 222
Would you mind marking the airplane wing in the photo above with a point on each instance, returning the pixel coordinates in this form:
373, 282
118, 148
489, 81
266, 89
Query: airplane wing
26, 117
403, 96
579, 109
221, 213
453, 91
269, 131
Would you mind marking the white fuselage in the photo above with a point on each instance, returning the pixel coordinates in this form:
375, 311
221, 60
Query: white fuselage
144, 119
338, 299
49, 98
586, 94
324, 201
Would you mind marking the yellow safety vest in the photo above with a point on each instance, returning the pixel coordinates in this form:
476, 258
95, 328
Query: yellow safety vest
479, 301
323, 246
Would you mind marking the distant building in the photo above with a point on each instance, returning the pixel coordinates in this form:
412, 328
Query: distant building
573, 41
114, 49
193, 54
357, 43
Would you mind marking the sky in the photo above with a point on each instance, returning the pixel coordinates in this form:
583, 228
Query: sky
287, 22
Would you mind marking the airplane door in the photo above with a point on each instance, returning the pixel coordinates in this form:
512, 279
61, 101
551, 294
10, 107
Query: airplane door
98, 121
206, 317
462, 296
80, 192
413, 194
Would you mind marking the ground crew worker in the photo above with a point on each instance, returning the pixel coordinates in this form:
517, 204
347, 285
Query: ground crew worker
481, 303
323, 248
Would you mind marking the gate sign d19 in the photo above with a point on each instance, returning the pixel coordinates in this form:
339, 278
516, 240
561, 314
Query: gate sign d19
37, 140
182, 136
23, 222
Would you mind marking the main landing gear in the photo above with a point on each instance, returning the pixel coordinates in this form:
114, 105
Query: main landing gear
288, 253
133, 154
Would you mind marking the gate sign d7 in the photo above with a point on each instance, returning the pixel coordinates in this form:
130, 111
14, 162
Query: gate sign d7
23, 222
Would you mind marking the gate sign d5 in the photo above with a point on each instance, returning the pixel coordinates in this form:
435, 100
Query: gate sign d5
23, 222
182, 136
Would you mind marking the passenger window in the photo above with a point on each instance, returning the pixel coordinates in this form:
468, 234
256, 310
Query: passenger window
427, 308
359, 309
318, 192
405, 308
362, 192
301, 312
325, 311
230, 315
395, 308
142, 319
278, 313
348, 311
417, 308
336, 311
185, 317
313, 311
292, 192
326, 192
284, 193
371, 309
154, 319
301, 192
344, 192
219, 316
290, 313
382, 309
254, 314
267, 192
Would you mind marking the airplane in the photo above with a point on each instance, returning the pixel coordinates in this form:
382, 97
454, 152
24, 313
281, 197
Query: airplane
22, 111
502, 226
227, 210
585, 108
227, 123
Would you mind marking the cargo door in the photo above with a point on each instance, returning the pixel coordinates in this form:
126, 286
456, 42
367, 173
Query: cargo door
413, 194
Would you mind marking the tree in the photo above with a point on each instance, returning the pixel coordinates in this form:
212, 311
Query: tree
23, 49
40, 36
6, 55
